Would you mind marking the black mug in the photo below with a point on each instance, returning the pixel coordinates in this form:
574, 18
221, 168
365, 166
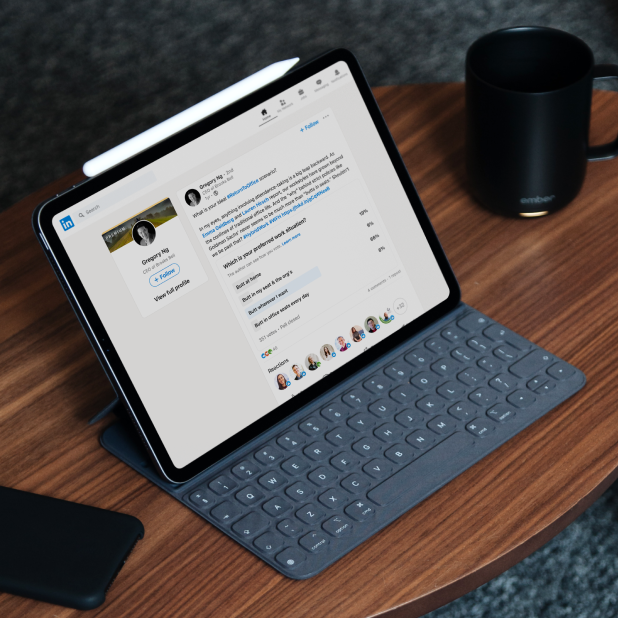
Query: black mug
528, 97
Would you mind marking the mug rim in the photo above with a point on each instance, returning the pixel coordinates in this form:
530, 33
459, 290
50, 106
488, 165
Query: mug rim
500, 31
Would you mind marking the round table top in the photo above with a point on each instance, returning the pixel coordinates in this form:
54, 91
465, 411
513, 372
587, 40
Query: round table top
553, 280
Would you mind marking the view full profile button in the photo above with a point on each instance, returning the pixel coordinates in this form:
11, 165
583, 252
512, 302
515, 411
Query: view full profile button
164, 274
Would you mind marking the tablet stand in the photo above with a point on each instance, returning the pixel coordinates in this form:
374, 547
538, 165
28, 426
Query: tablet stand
115, 406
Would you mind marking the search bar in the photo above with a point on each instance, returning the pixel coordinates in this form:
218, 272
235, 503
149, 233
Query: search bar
119, 194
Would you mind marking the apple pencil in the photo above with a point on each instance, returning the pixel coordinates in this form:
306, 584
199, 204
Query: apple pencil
187, 117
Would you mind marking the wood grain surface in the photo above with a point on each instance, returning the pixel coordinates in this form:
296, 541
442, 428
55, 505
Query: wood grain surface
553, 280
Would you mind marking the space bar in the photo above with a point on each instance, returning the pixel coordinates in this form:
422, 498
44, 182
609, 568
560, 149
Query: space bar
429, 472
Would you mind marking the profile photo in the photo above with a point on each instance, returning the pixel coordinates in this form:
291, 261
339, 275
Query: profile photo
357, 333
143, 233
298, 371
385, 318
312, 362
282, 381
372, 324
192, 197
327, 351
341, 344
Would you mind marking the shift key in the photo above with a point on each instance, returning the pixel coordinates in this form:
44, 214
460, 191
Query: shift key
430, 471
531, 364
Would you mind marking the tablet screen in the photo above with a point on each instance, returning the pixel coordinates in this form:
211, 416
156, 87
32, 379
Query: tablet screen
236, 272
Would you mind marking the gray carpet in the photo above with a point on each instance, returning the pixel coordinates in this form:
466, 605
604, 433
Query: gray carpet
77, 78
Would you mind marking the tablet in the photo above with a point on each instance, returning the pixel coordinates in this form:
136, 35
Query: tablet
234, 272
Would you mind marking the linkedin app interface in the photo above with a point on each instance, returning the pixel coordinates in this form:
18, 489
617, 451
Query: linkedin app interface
246, 266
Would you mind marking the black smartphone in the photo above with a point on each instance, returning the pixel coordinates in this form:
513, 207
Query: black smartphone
61, 552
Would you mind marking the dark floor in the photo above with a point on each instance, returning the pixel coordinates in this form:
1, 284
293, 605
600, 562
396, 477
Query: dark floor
77, 78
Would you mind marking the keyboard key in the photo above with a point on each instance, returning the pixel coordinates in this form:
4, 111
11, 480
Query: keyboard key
344, 462
310, 514
480, 427
502, 383
269, 542
322, 476
335, 413
362, 422
290, 557
290, 528
489, 364
333, 498
272, 480
546, 388
451, 390
421, 439
268, 455
430, 404
442, 425
398, 371
425, 381
531, 363
463, 355
340, 437
507, 353
536, 382
472, 376
483, 396
222, 485
300, 491
378, 384
276, 506
249, 495
409, 418
472, 322
561, 371
437, 346
521, 399
420, 477
355, 483
418, 358
501, 413
480, 344
291, 440
245, 469
318, 451
463, 411
295, 465
454, 334
360, 510
225, 512
400, 453
388, 432
378, 468
250, 524
313, 427
445, 366
404, 394
357, 399
313, 542
338, 526
367, 447
203, 498
382, 408
498, 333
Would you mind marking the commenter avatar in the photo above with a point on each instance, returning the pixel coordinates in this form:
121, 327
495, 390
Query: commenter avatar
282, 381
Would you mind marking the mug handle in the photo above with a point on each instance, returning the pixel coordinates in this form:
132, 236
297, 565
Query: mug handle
610, 150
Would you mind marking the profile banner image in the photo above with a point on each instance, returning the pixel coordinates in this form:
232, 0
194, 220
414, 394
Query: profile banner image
154, 256
141, 228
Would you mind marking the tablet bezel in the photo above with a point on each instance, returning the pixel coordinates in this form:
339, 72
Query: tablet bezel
42, 222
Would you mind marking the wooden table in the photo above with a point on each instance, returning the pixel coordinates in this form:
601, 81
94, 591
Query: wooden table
553, 280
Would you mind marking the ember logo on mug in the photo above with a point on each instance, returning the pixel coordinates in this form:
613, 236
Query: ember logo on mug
528, 98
